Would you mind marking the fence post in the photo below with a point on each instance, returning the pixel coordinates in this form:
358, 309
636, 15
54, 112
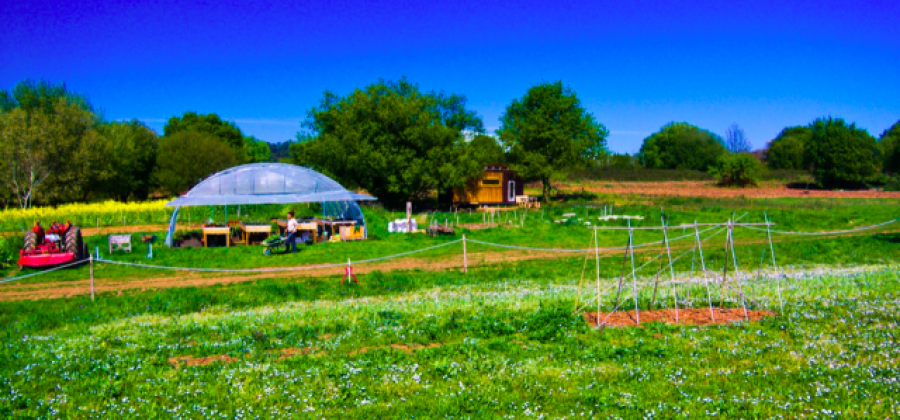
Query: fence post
91, 259
465, 256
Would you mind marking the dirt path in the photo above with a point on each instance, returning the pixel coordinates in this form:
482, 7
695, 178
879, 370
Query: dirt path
62, 289
709, 189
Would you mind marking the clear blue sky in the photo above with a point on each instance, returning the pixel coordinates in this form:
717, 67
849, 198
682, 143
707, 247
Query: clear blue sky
636, 65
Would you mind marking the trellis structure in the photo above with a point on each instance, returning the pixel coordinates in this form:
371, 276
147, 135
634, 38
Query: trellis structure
729, 282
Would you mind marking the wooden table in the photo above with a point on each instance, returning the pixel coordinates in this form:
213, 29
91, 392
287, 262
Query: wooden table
335, 225
248, 229
217, 231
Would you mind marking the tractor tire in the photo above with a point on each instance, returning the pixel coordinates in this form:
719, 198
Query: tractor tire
74, 242
30, 241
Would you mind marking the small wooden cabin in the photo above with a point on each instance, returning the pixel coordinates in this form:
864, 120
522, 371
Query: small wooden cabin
497, 185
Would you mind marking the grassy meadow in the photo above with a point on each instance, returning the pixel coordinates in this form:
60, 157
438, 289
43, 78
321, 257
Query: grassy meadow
501, 341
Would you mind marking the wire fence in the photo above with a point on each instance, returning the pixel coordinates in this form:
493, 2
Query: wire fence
596, 249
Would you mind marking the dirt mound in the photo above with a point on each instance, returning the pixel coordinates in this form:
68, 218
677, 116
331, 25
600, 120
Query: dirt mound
668, 316
200, 361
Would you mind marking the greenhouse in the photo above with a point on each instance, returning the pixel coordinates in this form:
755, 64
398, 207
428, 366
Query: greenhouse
277, 183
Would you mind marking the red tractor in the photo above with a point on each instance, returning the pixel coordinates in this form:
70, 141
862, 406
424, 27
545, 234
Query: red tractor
59, 244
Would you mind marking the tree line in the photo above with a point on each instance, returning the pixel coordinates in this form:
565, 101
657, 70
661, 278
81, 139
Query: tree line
55, 147
395, 141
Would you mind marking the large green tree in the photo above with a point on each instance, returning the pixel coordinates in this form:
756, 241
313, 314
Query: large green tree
485, 149
50, 150
257, 150
889, 146
840, 155
786, 151
132, 154
226, 131
187, 157
679, 145
391, 139
549, 130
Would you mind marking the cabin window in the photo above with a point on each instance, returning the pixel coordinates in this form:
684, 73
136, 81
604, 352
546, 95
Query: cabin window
490, 182
511, 194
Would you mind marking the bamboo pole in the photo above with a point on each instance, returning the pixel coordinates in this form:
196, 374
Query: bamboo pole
737, 276
699, 245
772, 249
637, 313
671, 269
465, 256
597, 255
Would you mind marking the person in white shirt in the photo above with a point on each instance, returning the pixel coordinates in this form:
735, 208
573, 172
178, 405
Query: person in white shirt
291, 245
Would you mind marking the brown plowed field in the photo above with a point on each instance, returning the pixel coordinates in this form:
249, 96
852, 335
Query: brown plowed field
709, 189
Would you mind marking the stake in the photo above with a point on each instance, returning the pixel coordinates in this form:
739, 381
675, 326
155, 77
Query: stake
622, 276
465, 257
737, 275
597, 254
699, 245
671, 269
91, 259
637, 313
725, 269
772, 248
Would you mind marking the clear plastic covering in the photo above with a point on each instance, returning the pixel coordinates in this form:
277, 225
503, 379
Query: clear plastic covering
272, 183
266, 183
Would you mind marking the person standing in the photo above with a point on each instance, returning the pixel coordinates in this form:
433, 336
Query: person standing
291, 245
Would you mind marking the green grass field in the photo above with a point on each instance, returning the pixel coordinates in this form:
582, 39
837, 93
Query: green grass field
502, 341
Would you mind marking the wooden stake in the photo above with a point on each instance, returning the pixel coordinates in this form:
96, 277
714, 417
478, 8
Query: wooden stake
597, 254
671, 269
465, 256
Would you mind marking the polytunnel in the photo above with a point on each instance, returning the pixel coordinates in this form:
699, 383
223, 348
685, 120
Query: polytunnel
271, 183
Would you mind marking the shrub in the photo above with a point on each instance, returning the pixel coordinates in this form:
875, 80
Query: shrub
839, 154
737, 170
681, 146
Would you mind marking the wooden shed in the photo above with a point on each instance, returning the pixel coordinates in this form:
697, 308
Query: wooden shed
497, 185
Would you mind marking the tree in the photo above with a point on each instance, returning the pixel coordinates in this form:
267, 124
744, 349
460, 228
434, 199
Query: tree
736, 170
132, 153
391, 139
485, 149
889, 147
735, 140
49, 147
211, 124
786, 151
548, 130
840, 155
257, 150
187, 157
681, 146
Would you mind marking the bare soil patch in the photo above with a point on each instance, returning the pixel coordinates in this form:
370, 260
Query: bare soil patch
200, 361
692, 316
406, 348
287, 353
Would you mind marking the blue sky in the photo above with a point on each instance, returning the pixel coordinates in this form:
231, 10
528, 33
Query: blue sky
635, 65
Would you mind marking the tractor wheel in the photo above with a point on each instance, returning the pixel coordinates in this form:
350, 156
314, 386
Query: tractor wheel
30, 241
74, 242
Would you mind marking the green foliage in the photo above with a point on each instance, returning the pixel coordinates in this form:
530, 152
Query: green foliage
51, 152
681, 146
9, 249
485, 149
257, 150
786, 151
889, 148
225, 131
132, 150
737, 170
390, 139
549, 130
187, 157
40, 97
840, 155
